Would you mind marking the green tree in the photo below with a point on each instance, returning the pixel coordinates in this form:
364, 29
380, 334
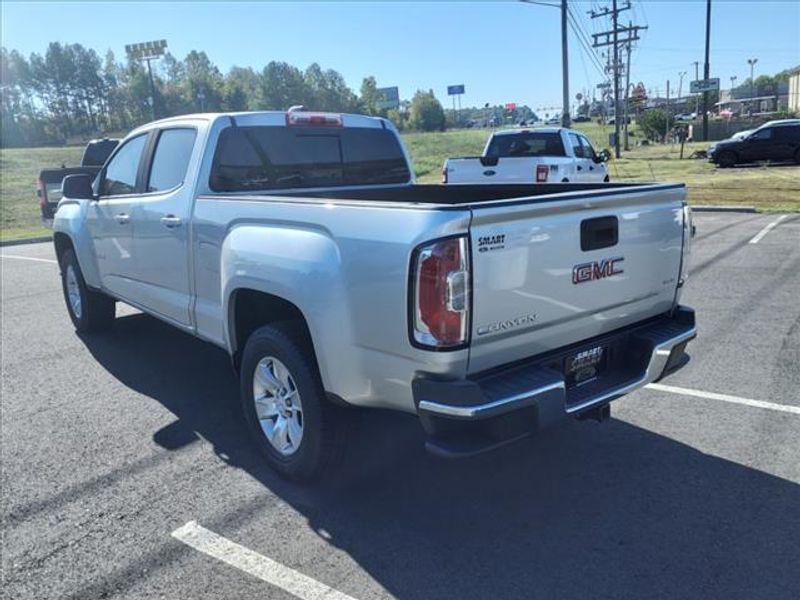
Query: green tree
426, 112
369, 96
653, 123
241, 89
282, 86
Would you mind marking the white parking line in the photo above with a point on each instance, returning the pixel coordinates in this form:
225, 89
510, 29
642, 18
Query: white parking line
767, 229
725, 398
299, 585
44, 260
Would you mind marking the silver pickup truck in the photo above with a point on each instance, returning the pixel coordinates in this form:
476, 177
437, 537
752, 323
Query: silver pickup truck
300, 243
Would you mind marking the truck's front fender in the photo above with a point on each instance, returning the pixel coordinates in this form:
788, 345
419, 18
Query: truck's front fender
70, 220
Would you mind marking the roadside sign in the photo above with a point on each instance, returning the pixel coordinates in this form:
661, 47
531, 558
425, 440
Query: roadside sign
704, 85
602, 86
455, 90
511, 105
388, 98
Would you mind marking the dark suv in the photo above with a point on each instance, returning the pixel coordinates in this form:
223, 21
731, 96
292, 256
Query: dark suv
774, 141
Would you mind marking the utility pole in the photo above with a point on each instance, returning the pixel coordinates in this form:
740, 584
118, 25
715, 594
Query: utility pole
612, 38
565, 114
682, 74
706, 70
697, 98
666, 121
627, 88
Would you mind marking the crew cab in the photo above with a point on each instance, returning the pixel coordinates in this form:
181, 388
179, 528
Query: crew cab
300, 244
541, 155
775, 141
48, 186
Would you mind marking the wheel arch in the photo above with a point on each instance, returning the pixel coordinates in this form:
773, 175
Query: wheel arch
249, 309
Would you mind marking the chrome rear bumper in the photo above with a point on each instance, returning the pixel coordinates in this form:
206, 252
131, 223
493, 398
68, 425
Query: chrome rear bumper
516, 400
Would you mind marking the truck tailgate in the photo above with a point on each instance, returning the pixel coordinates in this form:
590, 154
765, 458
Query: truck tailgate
504, 170
550, 273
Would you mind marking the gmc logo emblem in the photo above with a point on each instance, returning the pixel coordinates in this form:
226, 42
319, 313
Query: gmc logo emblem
596, 270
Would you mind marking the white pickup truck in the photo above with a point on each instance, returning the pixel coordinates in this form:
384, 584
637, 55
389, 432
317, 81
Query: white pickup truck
300, 244
541, 155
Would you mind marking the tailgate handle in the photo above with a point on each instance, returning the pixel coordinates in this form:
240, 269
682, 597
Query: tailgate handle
600, 232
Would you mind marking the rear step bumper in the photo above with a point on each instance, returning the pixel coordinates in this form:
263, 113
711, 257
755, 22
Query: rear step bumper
491, 409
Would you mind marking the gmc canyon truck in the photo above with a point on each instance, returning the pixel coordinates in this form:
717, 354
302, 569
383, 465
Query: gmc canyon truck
299, 243
541, 155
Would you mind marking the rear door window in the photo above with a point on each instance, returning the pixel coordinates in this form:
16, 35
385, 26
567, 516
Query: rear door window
588, 150
788, 133
171, 159
274, 157
577, 147
532, 143
120, 174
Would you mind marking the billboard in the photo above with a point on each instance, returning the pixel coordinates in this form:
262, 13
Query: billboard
388, 98
455, 90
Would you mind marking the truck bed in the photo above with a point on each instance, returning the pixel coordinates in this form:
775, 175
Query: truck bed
475, 194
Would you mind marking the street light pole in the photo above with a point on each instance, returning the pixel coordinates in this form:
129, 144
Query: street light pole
752, 62
565, 116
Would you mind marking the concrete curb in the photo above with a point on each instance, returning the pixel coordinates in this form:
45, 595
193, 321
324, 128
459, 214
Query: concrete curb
33, 240
711, 208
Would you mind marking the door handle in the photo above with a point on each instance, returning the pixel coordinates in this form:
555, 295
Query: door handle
580, 168
122, 218
171, 221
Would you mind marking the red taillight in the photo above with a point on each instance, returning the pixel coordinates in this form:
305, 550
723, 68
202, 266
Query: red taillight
309, 119
440, 294
541, 173
40, 193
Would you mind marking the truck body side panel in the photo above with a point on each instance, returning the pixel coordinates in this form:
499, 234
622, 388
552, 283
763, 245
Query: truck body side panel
344, 267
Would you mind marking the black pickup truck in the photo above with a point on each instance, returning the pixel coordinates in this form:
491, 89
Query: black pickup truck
48, 188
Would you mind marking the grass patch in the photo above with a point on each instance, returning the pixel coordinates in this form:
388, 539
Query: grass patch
768, 188
19, 169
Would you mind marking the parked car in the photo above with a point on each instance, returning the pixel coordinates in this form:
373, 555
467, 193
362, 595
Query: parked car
581, 119
48, 186
686, 116
542, 155
774, 141
613, 121
300, 244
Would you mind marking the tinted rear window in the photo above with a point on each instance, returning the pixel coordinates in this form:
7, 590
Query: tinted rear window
267, 157
96, 153
526, 144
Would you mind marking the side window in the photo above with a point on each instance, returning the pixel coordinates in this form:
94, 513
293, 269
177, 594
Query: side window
763, 134
171, 159
789, 133
577, 148
120, 174
588, 151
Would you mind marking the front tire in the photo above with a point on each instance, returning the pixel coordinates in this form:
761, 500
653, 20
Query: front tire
290, 419
726, 160
90, 311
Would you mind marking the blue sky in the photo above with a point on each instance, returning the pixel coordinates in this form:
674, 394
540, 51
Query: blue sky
502, 51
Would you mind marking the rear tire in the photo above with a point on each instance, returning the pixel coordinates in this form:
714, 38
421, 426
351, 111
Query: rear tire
89, 310
290, 419
726, 160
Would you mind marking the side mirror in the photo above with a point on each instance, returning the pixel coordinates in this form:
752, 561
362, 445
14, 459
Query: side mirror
77, 187
604, 155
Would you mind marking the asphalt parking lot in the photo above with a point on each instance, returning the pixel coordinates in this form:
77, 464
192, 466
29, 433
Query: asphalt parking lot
112, 444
